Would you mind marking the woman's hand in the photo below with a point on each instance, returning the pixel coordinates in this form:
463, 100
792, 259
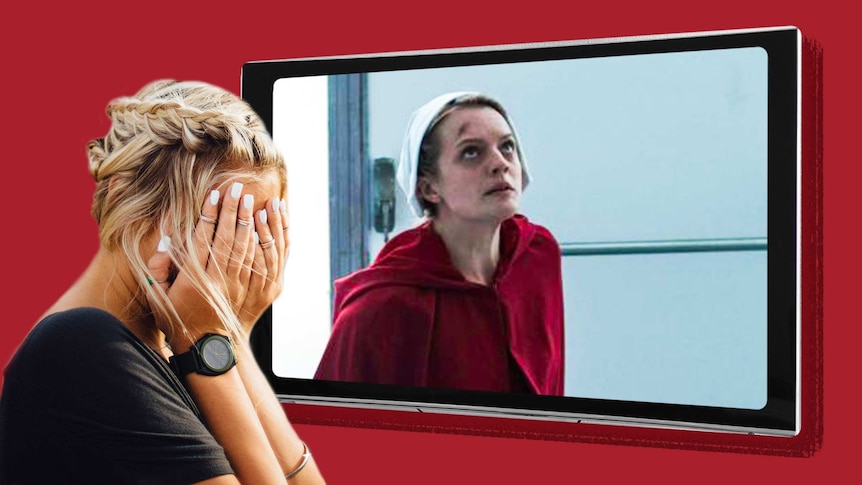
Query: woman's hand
250, 275
267, 269
224, 245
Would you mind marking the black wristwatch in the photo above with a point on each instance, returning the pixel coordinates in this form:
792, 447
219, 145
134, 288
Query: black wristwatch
211, 355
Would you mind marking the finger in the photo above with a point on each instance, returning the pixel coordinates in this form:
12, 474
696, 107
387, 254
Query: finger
222, 243
278, 226
285, 230
271, 239
256, 290
243, 237
258, 272
206, 227
159, 265
159, 269
246, 268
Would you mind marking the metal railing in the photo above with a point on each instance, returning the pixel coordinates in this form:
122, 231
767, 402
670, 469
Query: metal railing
667, 246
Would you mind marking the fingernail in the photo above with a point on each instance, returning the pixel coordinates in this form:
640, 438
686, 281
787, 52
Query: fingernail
214, 196
256, 238
235, 190
283, 205
275, 204
263, 216
248, 201
164, 244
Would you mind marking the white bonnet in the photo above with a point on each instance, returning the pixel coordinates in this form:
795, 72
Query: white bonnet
417, 128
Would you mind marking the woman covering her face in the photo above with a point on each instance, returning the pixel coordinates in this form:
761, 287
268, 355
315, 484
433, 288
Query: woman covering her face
472, 298
141, 372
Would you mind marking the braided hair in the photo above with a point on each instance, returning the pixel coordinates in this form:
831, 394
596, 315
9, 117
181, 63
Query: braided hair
168, 147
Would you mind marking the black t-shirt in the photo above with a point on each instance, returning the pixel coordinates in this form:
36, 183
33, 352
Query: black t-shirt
86, 401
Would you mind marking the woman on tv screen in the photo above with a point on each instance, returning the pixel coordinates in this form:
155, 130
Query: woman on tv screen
471, 298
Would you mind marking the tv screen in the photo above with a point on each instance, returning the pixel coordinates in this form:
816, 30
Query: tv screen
667, 170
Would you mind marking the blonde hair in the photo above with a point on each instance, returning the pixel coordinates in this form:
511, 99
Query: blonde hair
169, 145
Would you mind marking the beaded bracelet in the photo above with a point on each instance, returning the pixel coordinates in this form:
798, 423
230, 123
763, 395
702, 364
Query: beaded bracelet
305, 456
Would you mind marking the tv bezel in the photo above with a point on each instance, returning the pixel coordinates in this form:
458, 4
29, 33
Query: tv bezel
782, 414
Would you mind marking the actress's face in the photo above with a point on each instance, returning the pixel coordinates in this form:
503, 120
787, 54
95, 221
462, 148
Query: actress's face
478, 170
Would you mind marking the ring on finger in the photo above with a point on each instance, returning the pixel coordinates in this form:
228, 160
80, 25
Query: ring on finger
151, 281
244, 222
267, 244
207, 218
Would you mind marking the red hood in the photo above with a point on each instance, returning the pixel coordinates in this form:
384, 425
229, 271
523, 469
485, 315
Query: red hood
527, 291
418, 257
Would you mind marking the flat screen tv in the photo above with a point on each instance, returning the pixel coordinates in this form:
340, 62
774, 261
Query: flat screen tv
679, 175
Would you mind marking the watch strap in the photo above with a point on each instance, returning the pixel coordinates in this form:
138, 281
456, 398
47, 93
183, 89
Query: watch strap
186, 363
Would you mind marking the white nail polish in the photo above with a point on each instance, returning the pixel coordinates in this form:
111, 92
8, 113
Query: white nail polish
235, 190
164, 244
214, 196
256, 238
275, 205
263, 216
248, 201
283, 205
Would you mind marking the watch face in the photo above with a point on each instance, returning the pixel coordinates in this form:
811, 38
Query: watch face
217, 353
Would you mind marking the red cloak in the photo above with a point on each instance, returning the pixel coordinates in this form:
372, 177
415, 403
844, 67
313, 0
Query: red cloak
412, 319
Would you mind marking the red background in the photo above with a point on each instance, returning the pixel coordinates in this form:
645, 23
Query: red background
61, 65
